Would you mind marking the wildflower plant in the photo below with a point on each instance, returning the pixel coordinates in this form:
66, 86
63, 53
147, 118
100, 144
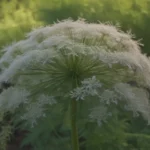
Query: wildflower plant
73, 62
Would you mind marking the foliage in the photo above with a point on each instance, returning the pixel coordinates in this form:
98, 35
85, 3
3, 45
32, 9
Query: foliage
91, 136
17, 18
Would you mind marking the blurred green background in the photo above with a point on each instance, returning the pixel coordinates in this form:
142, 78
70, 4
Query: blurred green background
20, 16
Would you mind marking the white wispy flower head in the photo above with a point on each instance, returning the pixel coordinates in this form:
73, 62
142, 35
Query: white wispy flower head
99, 114
89, 86
36, 110
78, 60
108, 97
11, 98
137, 99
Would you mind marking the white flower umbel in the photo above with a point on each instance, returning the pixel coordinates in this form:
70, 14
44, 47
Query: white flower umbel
89, 87
37, 109
11, 98
76, 60
99, 114
137, 99
108, 97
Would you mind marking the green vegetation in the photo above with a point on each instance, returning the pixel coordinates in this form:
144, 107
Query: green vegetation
123, 132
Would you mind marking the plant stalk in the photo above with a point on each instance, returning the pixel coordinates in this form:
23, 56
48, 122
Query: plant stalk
74, 130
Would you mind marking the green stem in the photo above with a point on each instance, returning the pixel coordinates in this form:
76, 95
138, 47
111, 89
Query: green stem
74, 130
136, 135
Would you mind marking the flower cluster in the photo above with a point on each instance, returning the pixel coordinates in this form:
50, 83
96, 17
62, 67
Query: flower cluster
89, 87
100, 57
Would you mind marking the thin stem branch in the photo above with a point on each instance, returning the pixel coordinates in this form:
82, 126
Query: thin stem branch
74, 130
